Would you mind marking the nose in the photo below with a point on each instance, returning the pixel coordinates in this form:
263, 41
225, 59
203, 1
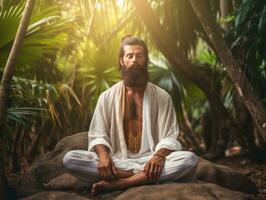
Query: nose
134, 59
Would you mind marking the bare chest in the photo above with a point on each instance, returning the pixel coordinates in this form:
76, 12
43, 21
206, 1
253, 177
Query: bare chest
132, 122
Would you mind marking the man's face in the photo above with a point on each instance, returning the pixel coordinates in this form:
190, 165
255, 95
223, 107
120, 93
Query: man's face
134, 69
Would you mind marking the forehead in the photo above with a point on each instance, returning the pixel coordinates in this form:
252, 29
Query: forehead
133, 49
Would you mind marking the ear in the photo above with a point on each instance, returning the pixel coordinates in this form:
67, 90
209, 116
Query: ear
121, 61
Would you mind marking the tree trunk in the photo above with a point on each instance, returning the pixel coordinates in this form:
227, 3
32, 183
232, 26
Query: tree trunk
5, 87
179, 60
247, 130
243, 86
226, 8
189, 131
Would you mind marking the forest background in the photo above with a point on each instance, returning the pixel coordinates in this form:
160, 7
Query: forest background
208, 55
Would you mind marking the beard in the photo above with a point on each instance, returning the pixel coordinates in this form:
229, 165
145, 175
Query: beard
135, 76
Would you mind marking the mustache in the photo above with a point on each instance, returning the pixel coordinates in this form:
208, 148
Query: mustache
135, 75
134, 72
134, 66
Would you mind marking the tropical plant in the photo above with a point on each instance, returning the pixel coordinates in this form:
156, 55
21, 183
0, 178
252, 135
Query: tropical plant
5, 88
243, 86
31, 93
45, 32
249, 42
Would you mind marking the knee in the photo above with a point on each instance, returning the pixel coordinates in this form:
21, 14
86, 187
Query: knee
190, 159
67, 160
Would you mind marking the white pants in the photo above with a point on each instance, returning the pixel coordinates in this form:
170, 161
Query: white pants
179, 165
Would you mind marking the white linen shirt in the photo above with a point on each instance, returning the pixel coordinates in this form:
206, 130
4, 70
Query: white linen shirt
159, 124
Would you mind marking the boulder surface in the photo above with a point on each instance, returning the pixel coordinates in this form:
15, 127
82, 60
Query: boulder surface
214, 181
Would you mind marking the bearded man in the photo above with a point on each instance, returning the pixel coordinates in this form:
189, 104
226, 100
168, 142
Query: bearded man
133, 132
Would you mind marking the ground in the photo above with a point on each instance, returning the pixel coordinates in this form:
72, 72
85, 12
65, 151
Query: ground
255, 171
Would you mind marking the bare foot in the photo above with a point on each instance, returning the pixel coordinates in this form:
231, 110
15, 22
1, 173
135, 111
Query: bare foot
123, 173
105, 186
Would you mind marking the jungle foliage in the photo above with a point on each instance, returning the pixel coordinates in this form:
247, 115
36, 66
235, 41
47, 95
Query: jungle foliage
69, 57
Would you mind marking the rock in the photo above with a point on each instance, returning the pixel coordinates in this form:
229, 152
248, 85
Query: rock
184, 191
24, 186
224, 176
55, 196
67, 182
50, 166
63, 182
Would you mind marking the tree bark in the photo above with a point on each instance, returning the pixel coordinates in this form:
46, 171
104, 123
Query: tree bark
226, 8
243, 86
5, 87
189, 130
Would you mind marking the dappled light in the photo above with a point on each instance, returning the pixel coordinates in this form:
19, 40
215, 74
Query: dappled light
209, 56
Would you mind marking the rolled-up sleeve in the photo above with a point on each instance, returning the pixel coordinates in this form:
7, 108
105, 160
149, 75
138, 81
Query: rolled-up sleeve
169, 143
99, 128
168, 126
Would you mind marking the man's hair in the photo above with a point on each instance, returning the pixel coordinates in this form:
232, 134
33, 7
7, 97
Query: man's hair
131, 40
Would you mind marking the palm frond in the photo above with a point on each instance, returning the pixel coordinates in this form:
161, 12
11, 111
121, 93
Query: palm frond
9, 20
23, 115
45, 34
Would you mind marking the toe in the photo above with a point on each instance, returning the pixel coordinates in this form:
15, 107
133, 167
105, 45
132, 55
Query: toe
93, 189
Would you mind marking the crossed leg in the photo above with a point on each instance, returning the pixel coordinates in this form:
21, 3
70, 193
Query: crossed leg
178, 165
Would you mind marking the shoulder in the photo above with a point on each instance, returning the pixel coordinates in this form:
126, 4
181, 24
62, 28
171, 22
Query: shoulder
160, 93
111, 92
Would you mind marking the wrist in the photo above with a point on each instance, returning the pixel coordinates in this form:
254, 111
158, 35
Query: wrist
103, 155
101, 151
159, 155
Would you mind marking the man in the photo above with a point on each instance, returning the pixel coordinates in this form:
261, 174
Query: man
133, 132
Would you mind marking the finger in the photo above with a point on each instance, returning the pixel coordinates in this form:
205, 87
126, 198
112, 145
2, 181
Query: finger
100, 171
109, 171
147, 171
155, 172
104, 174
114, 168
158, 172
151, 172
146, 167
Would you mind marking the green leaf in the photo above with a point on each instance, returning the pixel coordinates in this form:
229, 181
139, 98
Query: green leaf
262, 22
243, 12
